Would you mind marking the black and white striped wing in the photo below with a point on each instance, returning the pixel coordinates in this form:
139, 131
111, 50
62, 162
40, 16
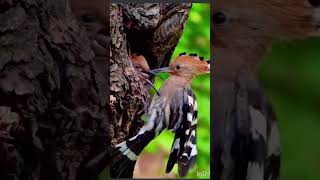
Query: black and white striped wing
178, 124
129, 150
184, 150
189, 154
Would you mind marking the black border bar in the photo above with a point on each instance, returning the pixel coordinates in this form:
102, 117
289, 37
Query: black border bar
161, 179
160, 1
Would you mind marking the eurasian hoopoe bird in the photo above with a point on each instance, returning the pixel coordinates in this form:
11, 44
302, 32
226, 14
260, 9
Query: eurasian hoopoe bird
140, 64
176, 109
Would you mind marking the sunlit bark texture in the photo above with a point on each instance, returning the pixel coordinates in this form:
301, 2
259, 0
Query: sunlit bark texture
152, 30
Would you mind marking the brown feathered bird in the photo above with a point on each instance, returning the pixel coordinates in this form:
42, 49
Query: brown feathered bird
176, 109
246, 141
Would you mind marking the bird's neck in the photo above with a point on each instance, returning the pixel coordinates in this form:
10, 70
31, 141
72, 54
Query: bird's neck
174, 84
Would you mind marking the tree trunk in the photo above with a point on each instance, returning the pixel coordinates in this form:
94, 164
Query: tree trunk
152, 30
53, 98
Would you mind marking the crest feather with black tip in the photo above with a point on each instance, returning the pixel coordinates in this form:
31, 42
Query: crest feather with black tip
193, 54
183, 53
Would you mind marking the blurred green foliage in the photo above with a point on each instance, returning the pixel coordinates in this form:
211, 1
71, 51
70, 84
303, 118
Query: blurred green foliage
290, 75
195, 39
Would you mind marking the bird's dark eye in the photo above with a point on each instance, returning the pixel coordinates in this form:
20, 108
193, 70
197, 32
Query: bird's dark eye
219, 18
88, 18
314, 3
178, 66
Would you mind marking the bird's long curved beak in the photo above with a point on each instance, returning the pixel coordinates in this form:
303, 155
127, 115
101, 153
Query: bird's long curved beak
159, 70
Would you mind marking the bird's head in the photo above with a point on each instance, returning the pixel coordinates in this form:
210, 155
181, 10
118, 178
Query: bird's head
139, 62
186, 66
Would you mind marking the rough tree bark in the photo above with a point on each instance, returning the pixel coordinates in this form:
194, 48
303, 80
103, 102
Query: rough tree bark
53, 98
152, 30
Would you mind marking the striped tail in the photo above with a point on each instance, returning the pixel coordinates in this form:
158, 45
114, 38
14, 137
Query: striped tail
189, 155
183, 152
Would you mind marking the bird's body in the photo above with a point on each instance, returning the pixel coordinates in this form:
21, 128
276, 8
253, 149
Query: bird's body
175, 108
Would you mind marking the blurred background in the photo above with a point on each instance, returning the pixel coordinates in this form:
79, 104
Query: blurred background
152, 162
290, 75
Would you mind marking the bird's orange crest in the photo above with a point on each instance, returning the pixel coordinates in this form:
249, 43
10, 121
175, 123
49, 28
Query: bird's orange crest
190, 63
